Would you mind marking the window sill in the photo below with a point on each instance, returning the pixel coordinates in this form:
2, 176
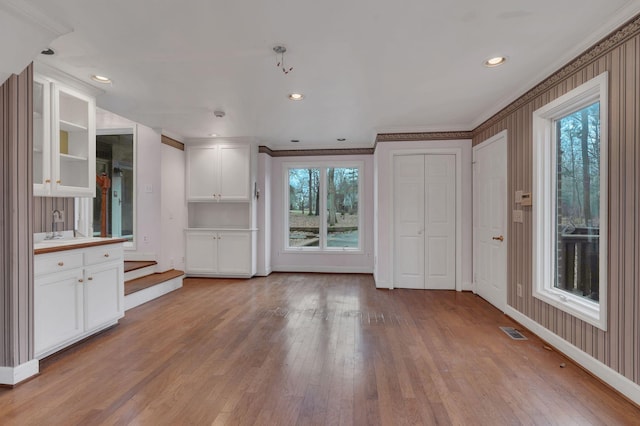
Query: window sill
582, 309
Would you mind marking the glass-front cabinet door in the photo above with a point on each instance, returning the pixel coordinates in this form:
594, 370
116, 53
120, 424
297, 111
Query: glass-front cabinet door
41, 137
64, 141
74, 149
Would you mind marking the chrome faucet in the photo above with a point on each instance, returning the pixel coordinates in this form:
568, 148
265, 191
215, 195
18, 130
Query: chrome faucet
55, 215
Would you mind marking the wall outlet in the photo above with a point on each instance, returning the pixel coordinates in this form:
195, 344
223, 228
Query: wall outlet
519, 289
145, 238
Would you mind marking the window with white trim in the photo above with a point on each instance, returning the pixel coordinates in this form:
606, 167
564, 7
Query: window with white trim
570, 202
322, 203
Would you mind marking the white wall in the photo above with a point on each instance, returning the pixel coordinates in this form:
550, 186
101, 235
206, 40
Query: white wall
173, 216
320, 262
148, 235
264, 215
383, 207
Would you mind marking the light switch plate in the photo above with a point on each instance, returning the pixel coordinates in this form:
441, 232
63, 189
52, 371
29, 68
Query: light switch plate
518, 198
517, 216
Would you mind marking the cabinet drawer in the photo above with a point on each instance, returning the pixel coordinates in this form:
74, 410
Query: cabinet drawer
101, 254
56, 262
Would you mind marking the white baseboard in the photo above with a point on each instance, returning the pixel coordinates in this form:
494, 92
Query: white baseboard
384, 284
611, 377
14, 375
143, 296
324, 269
264, 273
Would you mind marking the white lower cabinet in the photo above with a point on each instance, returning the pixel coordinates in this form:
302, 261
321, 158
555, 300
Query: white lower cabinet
76, 293
219, 252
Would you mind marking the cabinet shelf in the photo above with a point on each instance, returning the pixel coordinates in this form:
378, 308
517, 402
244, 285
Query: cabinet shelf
69, 157
68, 126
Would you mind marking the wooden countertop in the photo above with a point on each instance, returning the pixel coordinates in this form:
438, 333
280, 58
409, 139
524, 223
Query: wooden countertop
52, 246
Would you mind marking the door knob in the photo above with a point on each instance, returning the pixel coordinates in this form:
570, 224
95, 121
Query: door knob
500, 238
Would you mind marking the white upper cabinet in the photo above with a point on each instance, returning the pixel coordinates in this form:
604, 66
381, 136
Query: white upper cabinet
218, 173
64, 139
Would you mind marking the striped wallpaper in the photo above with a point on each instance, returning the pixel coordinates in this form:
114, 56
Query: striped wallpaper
619, 347
16, 213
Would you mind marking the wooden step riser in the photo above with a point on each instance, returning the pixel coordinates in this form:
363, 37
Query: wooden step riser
139, 273
143, 296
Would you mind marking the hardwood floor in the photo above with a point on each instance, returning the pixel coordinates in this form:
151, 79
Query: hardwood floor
311, 349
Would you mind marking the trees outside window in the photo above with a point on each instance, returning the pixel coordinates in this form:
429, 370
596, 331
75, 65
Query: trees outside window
323, 207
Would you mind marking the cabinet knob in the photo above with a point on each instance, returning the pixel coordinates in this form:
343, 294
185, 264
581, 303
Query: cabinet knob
80, 280
90, 278
47, 181
106, 255
58, 181
60, 263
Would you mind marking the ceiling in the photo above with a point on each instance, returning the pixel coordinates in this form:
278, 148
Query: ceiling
365, 67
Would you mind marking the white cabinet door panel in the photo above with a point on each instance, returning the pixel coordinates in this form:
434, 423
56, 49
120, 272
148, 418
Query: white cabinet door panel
202, 169
58, 309
234, 252
103, 294
201, 252
235, 162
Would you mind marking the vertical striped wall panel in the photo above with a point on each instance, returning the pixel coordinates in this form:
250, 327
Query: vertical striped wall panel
43, 213
619, 54
16, 219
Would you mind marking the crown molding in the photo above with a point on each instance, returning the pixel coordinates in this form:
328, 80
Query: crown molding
314, 152
625, 32
423, 136
53, 73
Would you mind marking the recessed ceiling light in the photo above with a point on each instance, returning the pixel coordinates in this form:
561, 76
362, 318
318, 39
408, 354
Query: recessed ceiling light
101, 79
295, 140
495, 61
213, 135
48, 51
341, 139
296, 96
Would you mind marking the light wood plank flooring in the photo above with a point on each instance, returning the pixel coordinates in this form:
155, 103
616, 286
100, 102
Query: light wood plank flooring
311, 349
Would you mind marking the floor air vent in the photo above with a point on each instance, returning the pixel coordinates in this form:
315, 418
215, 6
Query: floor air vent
513, 333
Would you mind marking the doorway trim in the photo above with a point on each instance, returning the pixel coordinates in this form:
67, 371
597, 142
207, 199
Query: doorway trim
457, 152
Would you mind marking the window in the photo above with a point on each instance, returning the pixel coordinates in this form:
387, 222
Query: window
322, 204
570, 202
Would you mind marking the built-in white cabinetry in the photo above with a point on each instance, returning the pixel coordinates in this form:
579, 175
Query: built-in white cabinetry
224, 252
64, 138
76, 293
219, 172
221, 234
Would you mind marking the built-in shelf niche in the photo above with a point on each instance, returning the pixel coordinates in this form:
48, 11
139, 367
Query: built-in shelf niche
219, 215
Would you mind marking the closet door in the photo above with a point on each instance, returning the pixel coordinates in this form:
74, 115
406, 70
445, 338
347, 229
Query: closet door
408, 201
440, 222
424, 221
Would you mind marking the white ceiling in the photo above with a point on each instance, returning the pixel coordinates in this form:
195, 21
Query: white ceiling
365, 66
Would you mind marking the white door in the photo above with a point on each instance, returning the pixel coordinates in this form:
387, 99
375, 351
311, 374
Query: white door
408, 201
424, 221
490, 220
440, 221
